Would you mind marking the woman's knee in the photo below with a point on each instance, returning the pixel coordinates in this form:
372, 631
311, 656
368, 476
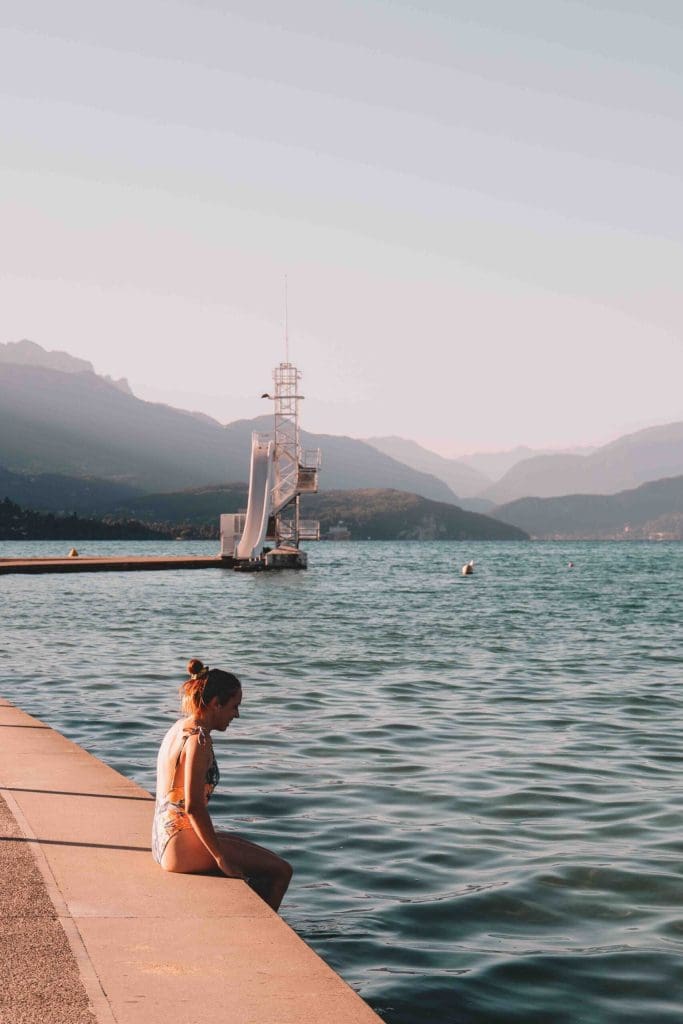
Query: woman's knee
278, 867
286, 870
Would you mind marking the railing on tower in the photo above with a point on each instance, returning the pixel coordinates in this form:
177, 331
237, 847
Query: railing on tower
287, 443
295, 469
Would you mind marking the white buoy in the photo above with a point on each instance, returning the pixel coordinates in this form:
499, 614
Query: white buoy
468, 568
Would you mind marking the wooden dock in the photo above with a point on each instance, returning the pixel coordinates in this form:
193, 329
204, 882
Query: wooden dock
121, 563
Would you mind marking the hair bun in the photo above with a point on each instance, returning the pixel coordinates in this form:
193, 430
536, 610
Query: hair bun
194, 667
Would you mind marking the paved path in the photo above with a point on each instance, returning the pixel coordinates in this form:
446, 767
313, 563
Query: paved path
39, 978
149, 947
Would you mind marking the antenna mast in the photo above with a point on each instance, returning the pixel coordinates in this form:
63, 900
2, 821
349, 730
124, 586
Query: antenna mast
286, 325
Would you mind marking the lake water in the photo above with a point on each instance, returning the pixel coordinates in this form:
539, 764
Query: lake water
479, 780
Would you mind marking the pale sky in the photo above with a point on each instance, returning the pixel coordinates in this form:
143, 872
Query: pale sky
478, 206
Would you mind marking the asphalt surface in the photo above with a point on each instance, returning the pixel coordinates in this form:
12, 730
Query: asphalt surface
39, 978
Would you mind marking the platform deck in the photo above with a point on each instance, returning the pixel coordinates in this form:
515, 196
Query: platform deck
120, 563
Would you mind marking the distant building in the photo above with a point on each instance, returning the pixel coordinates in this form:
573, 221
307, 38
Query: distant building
338, 532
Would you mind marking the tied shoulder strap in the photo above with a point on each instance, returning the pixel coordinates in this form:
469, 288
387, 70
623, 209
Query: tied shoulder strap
198, 730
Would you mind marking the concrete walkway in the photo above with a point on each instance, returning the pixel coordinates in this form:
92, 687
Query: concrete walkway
40, 975
90, 923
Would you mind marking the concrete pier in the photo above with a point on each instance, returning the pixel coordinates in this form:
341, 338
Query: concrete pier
118, 563
114, 939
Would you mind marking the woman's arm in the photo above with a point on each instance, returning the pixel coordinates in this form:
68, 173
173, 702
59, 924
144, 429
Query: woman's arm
196, 765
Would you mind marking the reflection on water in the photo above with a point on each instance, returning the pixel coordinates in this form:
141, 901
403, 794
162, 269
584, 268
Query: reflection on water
478, 779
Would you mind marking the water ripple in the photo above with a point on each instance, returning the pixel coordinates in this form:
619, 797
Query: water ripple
478, 780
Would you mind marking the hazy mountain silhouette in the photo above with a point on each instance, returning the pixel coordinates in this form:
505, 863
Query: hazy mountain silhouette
81, 425
77, 423
57, 416
349, 463
651, 509
631, 460
495, 464
27, 353
464, 481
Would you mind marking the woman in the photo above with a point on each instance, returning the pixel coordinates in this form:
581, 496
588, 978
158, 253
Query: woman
183, 836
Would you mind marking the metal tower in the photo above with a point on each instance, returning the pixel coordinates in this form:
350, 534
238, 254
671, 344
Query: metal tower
295, 469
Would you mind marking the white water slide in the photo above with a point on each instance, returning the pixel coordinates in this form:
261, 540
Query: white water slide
260, 492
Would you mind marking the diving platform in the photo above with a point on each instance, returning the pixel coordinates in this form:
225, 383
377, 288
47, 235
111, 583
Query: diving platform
268, 533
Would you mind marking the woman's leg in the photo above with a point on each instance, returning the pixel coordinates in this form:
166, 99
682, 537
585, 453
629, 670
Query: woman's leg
186, 854
268, 874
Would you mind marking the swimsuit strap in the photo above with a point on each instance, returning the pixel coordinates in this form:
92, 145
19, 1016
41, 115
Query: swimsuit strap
203, 736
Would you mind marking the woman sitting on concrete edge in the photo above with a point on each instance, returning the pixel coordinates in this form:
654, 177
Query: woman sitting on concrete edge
183, 836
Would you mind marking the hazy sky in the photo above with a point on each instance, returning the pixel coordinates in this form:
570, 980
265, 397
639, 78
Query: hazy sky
478, 207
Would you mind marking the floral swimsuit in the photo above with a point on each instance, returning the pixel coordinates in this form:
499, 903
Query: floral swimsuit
170, 816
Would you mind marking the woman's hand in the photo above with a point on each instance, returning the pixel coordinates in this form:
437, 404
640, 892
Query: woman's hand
229, 870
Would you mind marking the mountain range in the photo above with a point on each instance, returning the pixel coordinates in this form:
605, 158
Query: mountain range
379, 514
494, 465
650, 454
653, 511
631, 460
83, 442
462, 479
53, 492
76, 423
27, 353
367, 513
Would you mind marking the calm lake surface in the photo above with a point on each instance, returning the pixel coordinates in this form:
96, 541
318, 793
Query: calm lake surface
478, 780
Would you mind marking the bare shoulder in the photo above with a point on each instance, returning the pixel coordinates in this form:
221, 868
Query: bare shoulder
198, 747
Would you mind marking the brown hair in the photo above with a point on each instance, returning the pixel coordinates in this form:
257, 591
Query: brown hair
204, 684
